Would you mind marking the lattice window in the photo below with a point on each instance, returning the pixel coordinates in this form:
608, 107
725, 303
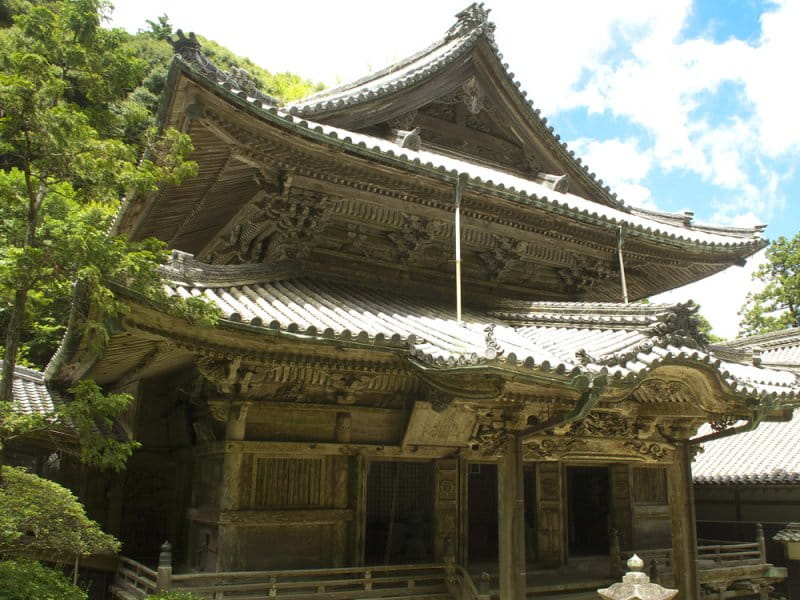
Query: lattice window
411, 481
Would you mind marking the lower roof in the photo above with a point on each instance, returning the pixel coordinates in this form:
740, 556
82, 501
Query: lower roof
623, 342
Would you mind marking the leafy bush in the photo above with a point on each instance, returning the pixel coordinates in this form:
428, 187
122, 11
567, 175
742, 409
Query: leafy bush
39, 517
30, 580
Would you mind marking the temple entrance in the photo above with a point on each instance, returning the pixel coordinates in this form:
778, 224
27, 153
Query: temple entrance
588, 501
482, 517
399, 513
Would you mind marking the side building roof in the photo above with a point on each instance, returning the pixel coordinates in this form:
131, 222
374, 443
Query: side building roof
770, 454
32, 395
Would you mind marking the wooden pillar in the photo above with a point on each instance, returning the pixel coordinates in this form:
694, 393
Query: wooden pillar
511, 522
228, 555
360, 504
684, 527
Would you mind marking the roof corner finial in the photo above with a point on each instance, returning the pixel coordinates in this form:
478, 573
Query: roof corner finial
190, 51
186, 47
474, 17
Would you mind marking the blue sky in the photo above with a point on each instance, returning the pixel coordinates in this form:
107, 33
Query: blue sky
677, 105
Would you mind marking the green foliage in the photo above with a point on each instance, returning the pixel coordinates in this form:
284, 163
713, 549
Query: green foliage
777, 306
72, 143
30, 580
284, 86
39, 518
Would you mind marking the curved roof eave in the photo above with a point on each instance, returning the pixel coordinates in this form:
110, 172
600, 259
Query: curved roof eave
482, 178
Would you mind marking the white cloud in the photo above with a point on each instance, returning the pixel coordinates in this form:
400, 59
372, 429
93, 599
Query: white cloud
622, 163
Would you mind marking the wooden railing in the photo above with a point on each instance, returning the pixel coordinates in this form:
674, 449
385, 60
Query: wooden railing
316, 584
462, 587
135, 579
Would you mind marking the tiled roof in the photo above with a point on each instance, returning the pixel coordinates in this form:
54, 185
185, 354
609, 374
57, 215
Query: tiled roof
623, 342
485, 178
31, 394
395, 77
777, 348
768, 454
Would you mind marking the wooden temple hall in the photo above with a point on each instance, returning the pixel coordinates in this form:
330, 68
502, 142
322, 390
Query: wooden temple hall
431, 350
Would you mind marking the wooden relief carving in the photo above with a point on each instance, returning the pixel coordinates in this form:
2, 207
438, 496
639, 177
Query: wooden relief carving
604, 424
417, 233
404, 121
490, 439
499, 260
650, 450
584, 274
552, 448
278, 224
661, 390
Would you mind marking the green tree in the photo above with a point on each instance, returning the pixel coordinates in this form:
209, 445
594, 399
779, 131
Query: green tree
66, 158
777, 305
64, 168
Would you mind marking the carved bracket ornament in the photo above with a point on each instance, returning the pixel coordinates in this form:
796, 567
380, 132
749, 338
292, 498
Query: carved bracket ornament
344, 386
416, 234
471, 95
280, 225
551, 448
584, 274
491, 439
604, 424
499, 260
230, 376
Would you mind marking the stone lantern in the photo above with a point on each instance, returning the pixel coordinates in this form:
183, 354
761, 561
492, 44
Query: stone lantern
790, 538
636, 585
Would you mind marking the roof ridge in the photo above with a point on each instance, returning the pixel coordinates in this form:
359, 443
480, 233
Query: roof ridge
471, 20
27, 373
774, 338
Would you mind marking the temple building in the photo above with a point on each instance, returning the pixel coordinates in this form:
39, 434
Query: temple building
431, 347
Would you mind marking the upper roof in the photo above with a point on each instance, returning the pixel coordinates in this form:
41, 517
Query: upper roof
376, 203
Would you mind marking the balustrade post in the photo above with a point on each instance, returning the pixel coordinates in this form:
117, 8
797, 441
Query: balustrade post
368, 580
762, 543
164, 573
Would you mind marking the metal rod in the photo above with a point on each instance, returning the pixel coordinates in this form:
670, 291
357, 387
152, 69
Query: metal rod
620, 241
460, 183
